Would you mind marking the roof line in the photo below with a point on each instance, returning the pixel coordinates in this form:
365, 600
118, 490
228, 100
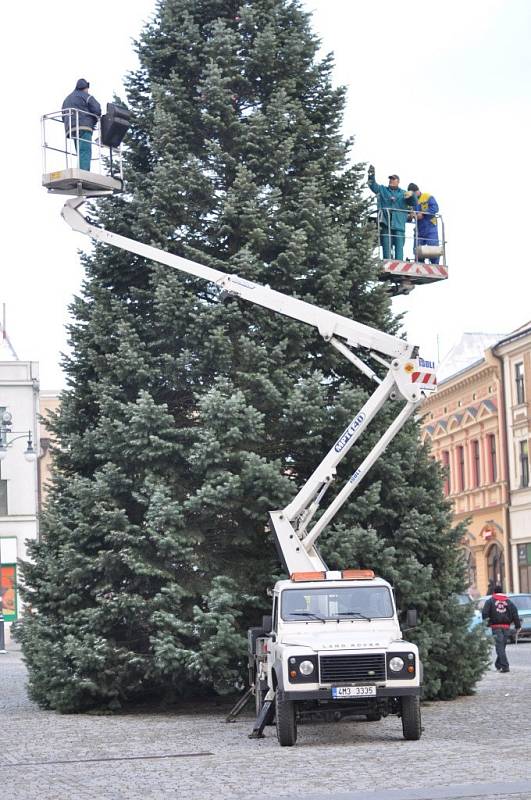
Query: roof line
512, 337
461, 371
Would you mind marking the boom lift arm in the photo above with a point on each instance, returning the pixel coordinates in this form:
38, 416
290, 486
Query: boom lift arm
408, 377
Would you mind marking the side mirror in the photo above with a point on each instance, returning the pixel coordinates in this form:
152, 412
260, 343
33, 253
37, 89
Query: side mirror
267, 623
411, 618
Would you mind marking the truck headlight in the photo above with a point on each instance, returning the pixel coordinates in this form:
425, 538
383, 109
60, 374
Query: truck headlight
306, 667
396, 664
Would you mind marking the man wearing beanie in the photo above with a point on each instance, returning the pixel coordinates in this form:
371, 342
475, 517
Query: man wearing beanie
79, 124
499, 612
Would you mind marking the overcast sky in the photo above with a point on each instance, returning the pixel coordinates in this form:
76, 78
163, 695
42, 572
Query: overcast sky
438, 93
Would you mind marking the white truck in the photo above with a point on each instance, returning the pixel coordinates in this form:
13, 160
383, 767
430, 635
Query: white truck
333, 646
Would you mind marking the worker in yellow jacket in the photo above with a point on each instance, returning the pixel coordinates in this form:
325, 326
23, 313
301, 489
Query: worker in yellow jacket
426, 208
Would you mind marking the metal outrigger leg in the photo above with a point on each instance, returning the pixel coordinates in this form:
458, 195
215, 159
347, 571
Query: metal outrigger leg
238, 707
265, 717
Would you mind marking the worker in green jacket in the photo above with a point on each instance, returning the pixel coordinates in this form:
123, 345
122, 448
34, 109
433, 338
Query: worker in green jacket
393, 206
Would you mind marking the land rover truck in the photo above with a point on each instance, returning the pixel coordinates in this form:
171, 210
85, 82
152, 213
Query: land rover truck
333, 645
334, 649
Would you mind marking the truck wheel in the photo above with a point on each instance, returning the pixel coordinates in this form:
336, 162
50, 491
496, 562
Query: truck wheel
411, 722
286, 722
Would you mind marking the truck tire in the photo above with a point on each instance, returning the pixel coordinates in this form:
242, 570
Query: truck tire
286, 722
411, 720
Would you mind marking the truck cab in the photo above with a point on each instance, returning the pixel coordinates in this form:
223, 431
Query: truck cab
336, 650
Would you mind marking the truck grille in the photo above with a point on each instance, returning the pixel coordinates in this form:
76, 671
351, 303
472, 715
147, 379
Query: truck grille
355, 667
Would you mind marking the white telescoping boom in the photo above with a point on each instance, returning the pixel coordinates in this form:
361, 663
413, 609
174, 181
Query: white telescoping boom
409, 377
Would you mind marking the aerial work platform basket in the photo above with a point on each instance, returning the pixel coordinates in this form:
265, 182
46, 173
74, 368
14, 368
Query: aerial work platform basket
422, 261
62, 143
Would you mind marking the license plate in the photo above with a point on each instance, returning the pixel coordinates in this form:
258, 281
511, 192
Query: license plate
340, 692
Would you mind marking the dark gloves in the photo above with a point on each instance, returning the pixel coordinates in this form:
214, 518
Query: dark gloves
371, 172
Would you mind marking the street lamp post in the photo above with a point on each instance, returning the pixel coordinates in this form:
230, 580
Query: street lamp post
29, 455
5, 429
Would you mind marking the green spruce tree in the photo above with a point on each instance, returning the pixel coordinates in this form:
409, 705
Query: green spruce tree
187, 418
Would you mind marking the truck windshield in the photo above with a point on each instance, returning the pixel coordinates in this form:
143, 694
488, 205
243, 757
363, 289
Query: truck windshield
359, 602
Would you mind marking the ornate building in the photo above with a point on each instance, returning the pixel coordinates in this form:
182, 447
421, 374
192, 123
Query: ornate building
463, 423
48, 402
515, 352
19, 446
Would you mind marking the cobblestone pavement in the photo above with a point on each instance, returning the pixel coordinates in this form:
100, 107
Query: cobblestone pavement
467, 745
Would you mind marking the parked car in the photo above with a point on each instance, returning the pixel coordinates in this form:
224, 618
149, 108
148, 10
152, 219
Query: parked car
463, 599
522, 603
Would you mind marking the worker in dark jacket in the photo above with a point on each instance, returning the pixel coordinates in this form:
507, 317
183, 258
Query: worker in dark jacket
500, 612
393, 206
80, 124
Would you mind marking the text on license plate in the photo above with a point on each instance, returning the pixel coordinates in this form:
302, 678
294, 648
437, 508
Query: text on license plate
339, 692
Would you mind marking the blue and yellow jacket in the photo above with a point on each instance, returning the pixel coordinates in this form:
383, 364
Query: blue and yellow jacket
427, 226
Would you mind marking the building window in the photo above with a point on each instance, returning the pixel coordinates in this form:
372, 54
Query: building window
524, 566
476, 466
471, 568
3, 498
495, 567
8, 587
493, 466
524, 464
519, 383
3, 493
446, 465
8, 576
460, 468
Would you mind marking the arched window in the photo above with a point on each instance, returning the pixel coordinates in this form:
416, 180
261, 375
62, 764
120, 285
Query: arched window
496, 565
471, 568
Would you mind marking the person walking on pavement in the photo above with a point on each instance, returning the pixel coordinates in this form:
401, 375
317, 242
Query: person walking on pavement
80, 125
426, 227
500, 612
393, 206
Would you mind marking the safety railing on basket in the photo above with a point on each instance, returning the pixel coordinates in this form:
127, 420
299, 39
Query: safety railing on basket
68, 142
404, 235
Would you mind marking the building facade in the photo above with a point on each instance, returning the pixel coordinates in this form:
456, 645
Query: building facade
48, 402
466, 430
19, 397
515, 353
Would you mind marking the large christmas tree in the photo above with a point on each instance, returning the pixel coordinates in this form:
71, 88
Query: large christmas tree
187, 418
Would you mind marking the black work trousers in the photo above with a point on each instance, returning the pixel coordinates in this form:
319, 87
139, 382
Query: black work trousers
501, 636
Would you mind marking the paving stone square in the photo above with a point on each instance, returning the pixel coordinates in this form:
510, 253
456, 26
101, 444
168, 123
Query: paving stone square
473, 742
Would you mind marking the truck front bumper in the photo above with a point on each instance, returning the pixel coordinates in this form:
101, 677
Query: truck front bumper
326, 694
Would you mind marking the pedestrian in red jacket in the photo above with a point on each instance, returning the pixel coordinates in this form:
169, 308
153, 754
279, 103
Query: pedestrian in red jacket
500, 612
